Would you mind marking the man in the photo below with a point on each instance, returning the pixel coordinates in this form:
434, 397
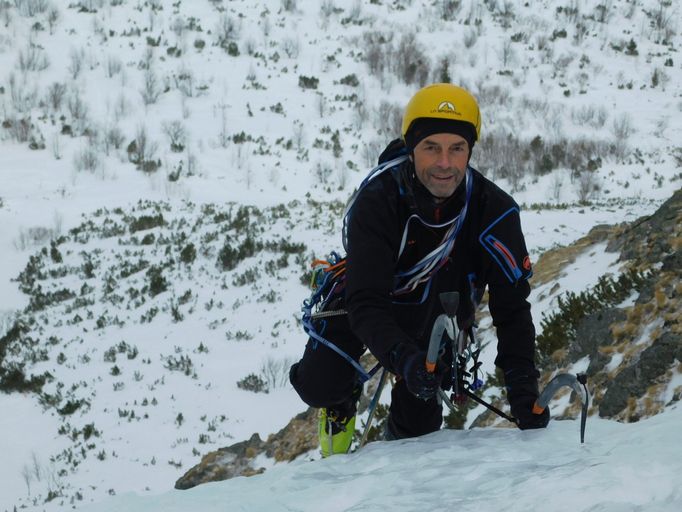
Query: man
427, 225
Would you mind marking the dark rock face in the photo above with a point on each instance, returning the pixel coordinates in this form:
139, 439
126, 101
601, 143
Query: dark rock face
651, 238
634, 380
593, 332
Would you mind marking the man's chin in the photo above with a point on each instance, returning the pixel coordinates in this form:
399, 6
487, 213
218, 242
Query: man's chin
440, 195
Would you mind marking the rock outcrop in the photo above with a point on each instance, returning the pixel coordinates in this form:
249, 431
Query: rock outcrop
297, 438
635, 350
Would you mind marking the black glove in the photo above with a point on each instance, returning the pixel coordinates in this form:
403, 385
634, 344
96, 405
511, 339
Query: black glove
522, 391
410, 364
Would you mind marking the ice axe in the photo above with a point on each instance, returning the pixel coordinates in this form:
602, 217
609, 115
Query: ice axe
445, 323
572, 381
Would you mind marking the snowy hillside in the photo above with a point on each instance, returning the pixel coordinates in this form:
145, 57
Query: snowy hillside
168, 169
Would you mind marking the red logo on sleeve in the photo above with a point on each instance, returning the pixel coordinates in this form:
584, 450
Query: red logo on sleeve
526, 263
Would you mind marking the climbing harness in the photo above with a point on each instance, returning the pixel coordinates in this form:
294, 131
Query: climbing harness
328, 282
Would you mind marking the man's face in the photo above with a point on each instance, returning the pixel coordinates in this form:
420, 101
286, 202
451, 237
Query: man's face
440, 162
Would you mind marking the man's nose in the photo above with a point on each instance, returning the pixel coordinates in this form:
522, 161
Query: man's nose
444, 160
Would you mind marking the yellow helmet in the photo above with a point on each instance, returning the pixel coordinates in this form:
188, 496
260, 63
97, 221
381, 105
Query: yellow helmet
456, 107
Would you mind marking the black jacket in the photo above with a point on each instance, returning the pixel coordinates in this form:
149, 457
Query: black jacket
489, 251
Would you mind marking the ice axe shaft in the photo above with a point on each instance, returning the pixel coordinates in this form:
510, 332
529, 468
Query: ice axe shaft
373, 406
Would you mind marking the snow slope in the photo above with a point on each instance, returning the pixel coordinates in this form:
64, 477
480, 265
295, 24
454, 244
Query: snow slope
619, 468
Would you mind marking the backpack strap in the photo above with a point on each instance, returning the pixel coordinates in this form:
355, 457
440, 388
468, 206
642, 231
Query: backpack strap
394, 149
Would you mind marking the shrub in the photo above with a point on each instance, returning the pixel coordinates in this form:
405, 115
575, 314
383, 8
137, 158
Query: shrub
411, 63
145, 222
87, 159
622, 127
351, 80
456, 420
40, 300
291, 47
185, 82
150, 91
19, 129
276, 372
308, 82
113, 66
188, 254
182, 364
142, 152
232, 49
377, 51
559, 327
157, 282
71, 406
249, 276
226, 32
230, 256
113, 139
89, 431
449, 9
55, 255
29, 8
631, 48
558, 34
148, 239
289, 5
55, 95
253, 382
388, 119
32, 58
177, 135
470, 37
14, 379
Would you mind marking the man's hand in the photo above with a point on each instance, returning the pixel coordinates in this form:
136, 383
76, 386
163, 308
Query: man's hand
522, 391
411, 366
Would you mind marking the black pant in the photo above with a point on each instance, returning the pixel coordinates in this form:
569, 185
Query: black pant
323, 378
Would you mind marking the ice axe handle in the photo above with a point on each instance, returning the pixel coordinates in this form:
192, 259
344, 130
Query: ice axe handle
434, 345
563, 379
443, 324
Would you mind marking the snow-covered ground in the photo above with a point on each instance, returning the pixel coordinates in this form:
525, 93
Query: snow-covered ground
257, 132
619, 468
